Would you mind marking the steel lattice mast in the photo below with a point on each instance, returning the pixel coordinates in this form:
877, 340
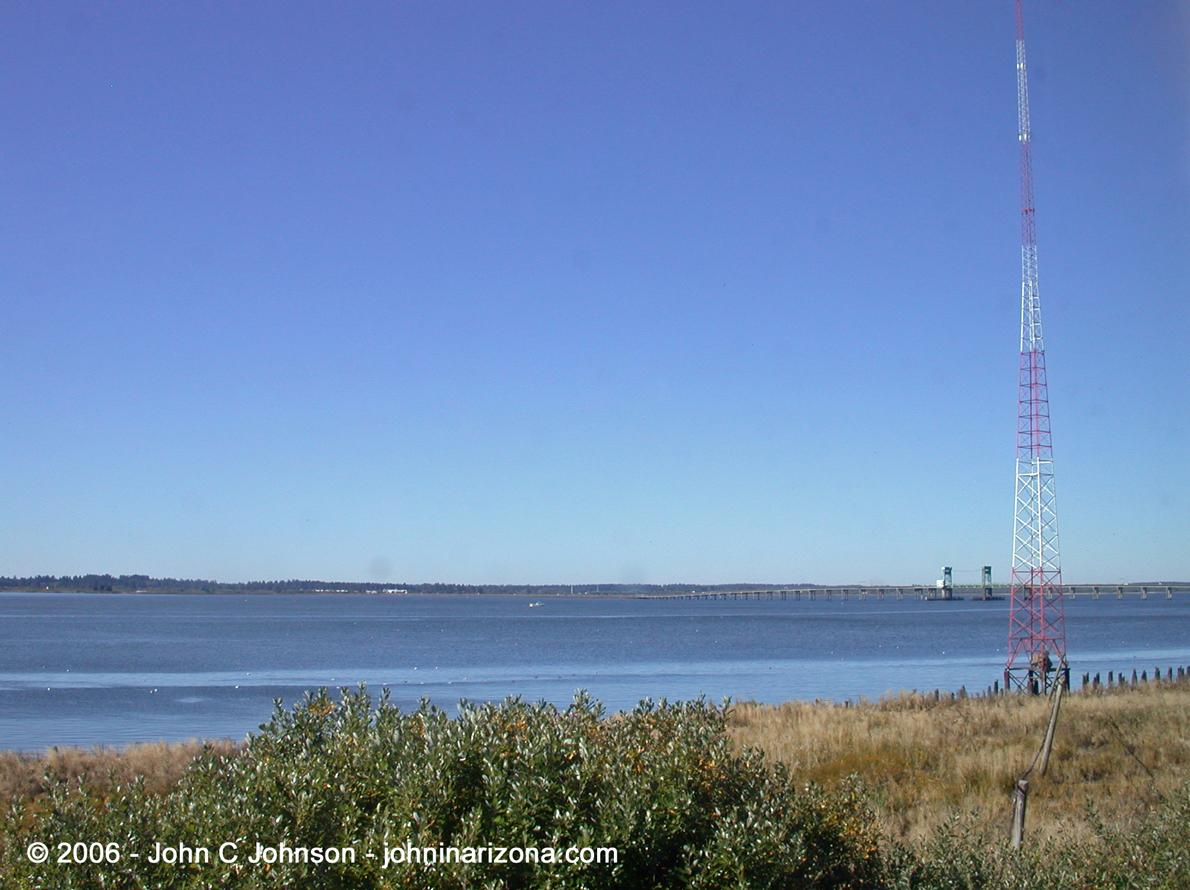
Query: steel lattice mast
1036, 624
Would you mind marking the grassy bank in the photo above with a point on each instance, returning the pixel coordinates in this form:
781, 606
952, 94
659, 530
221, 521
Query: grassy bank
911, 792
924, 761
159, 765
1117, 754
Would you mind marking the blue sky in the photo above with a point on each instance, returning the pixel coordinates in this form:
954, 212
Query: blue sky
527, 292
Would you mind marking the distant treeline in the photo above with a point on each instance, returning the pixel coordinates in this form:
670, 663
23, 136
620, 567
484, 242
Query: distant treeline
145, 584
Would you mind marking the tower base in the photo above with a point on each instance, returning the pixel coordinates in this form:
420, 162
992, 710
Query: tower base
1040, 677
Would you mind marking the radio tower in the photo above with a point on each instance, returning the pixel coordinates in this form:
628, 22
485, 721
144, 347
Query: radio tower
1036, 624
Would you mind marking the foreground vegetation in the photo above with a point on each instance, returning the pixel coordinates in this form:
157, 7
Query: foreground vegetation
659, 785
898, 794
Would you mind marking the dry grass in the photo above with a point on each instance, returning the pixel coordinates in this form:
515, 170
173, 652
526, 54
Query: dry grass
929, 761
160, 764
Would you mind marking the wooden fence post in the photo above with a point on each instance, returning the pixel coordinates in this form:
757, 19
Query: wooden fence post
1019, 799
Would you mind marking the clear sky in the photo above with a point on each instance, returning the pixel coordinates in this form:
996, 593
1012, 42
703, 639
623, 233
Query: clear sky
562, 292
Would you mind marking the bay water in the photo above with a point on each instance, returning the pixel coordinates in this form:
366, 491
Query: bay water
91, 669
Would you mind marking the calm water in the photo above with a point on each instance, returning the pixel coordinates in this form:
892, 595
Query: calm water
83, 669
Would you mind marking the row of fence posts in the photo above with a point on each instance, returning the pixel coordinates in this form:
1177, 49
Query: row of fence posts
1118, 679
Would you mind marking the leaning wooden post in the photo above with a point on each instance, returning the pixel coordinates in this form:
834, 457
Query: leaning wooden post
1019, 799
1049, 730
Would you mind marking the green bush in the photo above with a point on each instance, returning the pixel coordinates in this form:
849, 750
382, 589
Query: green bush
659, 785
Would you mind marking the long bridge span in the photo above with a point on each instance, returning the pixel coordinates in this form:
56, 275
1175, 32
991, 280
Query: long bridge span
919, 591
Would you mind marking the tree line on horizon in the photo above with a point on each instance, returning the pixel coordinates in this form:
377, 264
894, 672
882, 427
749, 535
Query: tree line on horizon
93, 583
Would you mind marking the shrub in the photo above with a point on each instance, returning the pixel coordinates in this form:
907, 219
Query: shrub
660, 784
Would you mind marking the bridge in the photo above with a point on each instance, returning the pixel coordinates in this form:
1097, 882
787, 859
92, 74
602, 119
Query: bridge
920, 591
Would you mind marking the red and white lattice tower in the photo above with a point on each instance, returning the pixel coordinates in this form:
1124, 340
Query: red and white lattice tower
1036, 624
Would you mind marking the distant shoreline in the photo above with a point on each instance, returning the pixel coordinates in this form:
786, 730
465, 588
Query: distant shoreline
144, 584
139, 584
